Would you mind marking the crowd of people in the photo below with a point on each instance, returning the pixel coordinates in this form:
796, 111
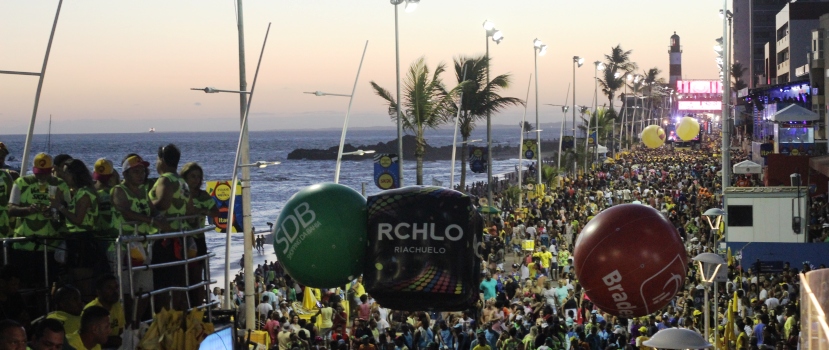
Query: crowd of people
532, 300
67, 217
530, 297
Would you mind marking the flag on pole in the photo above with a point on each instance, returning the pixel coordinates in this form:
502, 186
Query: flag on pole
730, 258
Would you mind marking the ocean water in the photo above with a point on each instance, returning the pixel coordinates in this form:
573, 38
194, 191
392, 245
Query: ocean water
271, 186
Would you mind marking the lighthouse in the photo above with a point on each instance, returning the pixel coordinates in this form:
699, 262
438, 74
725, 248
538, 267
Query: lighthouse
676, 61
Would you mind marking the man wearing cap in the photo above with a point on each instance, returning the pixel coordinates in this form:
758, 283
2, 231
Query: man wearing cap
31, 199
640, 340
105, 233
284, 337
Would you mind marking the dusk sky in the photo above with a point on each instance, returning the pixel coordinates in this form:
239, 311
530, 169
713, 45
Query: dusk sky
126, 66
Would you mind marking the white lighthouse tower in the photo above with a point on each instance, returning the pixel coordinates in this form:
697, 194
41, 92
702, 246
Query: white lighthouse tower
676, 61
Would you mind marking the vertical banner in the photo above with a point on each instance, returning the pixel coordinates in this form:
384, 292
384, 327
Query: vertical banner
386, 172
528, 149
220, 191
478, 159
591, 140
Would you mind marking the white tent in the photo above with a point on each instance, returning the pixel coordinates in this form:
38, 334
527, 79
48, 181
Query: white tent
602, 149
747, 167
794, 113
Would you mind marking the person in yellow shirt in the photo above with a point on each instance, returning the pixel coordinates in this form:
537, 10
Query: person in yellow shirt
742, 337
69, 307
545, 257
107, 291
95, 330
482, 343
640, 340
536, 270
355, 292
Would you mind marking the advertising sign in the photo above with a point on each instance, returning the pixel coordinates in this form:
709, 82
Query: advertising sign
700, 105
220, 191
528, 149
423, 249
699, 87
478, 158
386, 171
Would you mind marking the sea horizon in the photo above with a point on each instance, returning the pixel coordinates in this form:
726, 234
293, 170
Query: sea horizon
350, 128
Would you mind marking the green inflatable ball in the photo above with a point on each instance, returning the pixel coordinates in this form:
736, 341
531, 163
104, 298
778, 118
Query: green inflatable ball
320, 236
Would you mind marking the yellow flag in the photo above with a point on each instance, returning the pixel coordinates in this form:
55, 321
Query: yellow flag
309, 300
730, 257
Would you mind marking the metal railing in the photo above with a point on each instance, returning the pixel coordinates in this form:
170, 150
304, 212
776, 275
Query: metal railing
122, 245
45, 246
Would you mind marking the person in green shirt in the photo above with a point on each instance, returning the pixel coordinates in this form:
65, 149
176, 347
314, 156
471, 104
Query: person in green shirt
170, 196
83, 258
7, 178
105, 178
31, 201
135, 215
202, 205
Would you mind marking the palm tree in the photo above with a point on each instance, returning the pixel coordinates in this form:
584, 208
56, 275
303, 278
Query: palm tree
737, 71
612, 79
620, 58
636, 88
527, 127
651, 78
426, 105
602, 122
610, 82
479, 98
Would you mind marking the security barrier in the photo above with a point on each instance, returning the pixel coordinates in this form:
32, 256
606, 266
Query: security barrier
122, 243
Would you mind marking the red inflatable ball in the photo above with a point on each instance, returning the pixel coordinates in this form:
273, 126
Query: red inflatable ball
630, 260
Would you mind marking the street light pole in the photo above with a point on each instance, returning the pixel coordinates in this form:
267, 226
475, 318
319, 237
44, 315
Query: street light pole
244, 158
347, 112
455, 133
496, 36
577, 62
726, 108
397, 108
539, 49
521, 149
410, 6
706, 262
599, 66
